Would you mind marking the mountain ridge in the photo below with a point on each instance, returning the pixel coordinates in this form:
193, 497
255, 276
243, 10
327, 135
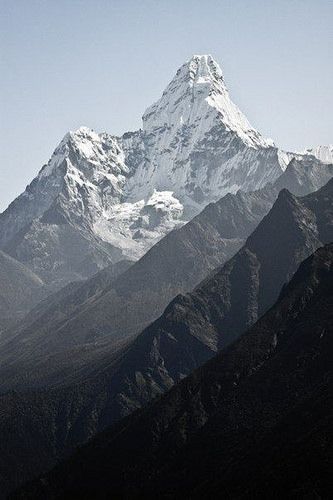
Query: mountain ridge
191, 330
213, 432
140, 294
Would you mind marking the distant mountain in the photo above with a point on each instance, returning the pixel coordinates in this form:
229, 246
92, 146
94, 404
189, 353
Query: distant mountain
20, 290
102, 198
303, 176
323, 153
255, 422
190, 331
83, 315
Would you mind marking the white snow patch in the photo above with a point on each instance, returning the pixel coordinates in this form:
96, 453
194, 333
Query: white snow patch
135, 227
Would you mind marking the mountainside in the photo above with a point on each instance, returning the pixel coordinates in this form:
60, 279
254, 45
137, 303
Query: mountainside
194, 326
190, 331
20, 290
82, 315
102, 198
254, 422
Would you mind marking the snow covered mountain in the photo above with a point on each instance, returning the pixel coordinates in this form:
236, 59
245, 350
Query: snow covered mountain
103, 198
195, 139
323, 153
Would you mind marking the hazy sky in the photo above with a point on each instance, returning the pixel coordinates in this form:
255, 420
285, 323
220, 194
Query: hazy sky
100, 63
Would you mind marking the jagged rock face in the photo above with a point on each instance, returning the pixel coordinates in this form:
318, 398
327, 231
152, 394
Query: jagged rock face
122, 194
49, 226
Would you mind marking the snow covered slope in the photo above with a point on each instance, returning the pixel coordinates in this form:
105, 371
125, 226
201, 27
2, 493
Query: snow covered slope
101, 198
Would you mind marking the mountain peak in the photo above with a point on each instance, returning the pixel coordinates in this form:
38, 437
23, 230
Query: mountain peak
204, 69
80, 136
198, 93
83, 139
84, 131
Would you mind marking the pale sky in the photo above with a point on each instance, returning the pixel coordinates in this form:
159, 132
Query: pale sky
100, 63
